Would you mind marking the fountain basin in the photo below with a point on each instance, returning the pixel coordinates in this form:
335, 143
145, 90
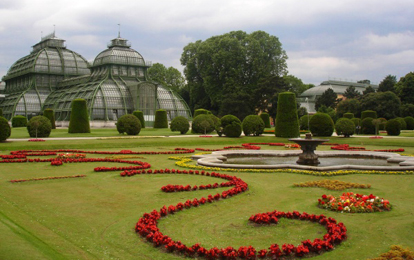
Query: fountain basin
219, 158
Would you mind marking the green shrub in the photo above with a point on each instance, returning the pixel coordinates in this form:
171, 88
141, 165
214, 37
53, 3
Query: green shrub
128, 124
50, 114
402, 122
344, 126
19, 121
383, 121
321, 124
161, 120
287, 123
367, 126
266, 119
368, 113
228, 120
201, 111
203, 124
233, 130
217, 124
254, 125
357, 123
140, 116
409, 120
79, 118
1, 111
5, 129
304, 122
180, 124
349, 115
39, 126
393, 127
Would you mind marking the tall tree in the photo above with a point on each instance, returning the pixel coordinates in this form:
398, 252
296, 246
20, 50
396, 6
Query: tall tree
348, 106
386, 104
170, 77
368, 90
234, 62
351, 92
328, 99
387, 84
405, 88
295, 85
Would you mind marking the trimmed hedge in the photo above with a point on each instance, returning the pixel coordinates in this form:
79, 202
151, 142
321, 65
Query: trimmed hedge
203, 124
254, 125
161, 120
368, 113
79, 118
228, 120
409, 120
402, 122
287, 122
393, 127
39, 126
344, 126
140, 116
266, 119
304, 122
201, 111
367, 127
321, 124
50, 114
233, 130
348, 115
128, 124
180, 124
5, 129
19, 121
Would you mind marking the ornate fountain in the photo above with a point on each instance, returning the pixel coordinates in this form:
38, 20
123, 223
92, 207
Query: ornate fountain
308, 146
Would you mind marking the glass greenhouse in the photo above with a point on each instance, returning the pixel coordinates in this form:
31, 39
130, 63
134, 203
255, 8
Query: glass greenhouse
115, 84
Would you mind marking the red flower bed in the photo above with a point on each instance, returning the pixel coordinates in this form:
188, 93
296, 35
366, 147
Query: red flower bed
346, 147
36, 140
351, 202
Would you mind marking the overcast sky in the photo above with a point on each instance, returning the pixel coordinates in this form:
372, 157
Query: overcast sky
347, 39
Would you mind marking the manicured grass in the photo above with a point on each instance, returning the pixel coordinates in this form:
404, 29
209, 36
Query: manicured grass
94, 217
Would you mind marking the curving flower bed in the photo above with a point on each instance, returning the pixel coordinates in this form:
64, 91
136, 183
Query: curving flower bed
351, 202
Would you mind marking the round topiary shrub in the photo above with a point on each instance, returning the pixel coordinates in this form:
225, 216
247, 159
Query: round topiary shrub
367, 126
19, 121
79, 118
233, 130
393, 127
128, 124
39, 126
368, 113
180, 124
253, 125
140, 116
201, 111
344, 126
402, 122
304, 122
409, 120
50, 114
266, 119
5, 129
203, 124
287, 122
321, 124
161, 120
228, 120
348, 115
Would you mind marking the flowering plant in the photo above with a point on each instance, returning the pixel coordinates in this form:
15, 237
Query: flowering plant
351, 202
71, 155
36, 140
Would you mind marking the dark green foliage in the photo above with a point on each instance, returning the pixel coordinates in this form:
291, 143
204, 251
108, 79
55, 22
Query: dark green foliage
237, 104
234, 129
367, 126
349, 115
266, 119
344, 126
19, 121
50, 114
348, 106
357, 123
79, 118
328, 99
407, 110
328, 110
39, 126
386, 104
203, 124
287, 123
405, 88
409, 120
180, 124
228, 120
217, 124
128, 124
1, 111
387, 84
383, 121
5, 129
368, 113
393, 127
170, 77
368, 90
302, 111
161, 120
253, 125
321, 124
402, 122
201, 111
351, 92
140, 116
304, 122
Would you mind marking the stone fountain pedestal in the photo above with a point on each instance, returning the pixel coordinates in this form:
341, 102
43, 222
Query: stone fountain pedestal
308, 147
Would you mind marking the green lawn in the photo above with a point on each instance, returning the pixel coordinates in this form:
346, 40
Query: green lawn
94, 217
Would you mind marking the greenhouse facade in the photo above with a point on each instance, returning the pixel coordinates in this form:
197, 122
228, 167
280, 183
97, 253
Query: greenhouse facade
116, 83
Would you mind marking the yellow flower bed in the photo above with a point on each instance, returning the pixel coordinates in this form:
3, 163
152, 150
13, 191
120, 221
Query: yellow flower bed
332, 185
396, 252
